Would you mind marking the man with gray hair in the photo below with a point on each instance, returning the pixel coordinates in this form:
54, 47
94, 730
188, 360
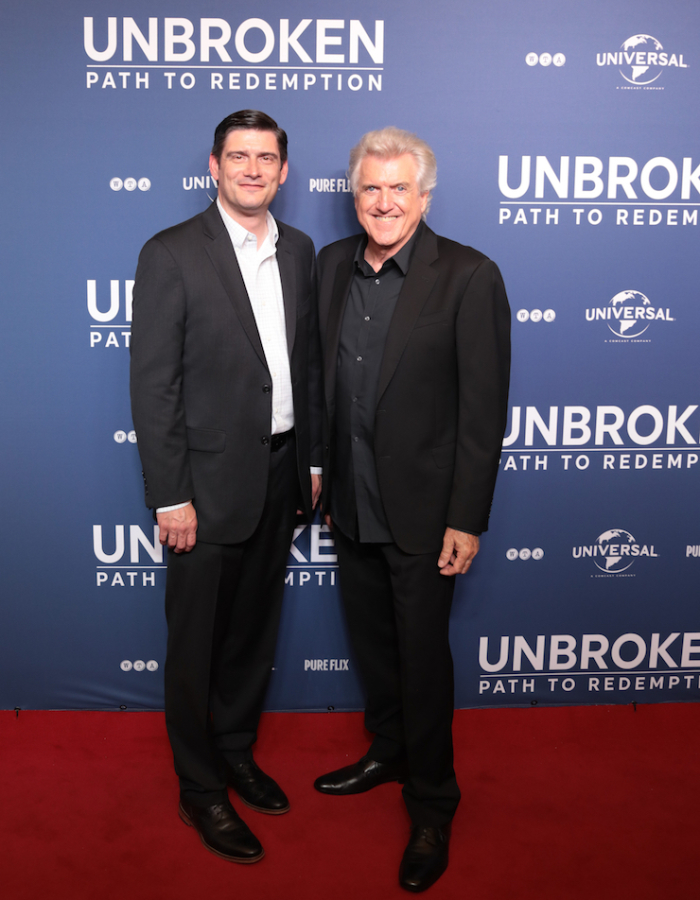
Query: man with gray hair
415, 331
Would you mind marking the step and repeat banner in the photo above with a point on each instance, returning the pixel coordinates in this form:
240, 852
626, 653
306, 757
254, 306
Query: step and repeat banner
566, 135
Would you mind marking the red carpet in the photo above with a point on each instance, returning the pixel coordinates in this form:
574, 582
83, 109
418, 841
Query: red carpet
598, 803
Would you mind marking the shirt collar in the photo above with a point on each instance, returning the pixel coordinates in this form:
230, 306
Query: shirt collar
239, 234
402, 258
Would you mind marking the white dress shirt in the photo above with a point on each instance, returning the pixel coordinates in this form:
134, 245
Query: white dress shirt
261, 276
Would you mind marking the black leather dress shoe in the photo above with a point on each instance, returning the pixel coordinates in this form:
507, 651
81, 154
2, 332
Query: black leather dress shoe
222, 831
256, 789
359, 777
425, 858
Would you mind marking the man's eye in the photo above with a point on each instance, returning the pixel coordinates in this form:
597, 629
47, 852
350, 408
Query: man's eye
401, 188
370, 189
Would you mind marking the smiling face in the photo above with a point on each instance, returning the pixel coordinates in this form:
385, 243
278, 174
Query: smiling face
388, 202
249, 172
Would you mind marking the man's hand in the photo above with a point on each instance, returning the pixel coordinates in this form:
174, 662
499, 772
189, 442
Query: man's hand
178, 528
316, 483
458, 551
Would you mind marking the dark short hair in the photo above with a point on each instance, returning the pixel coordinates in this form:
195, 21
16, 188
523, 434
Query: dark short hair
248, 119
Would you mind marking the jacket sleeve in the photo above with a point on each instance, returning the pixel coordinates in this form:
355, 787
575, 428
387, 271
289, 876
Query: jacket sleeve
483, 359
157, 346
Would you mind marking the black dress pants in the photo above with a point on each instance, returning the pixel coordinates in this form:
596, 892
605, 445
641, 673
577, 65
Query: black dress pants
223, 605
397, 607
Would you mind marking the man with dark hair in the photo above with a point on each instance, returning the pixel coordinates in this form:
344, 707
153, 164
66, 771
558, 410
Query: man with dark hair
415, 333
225, 388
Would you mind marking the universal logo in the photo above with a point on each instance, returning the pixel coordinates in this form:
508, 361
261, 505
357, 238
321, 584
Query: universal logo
204, 183
641, 60
614, 551
629, 314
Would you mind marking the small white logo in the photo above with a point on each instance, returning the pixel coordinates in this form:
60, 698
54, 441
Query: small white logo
138, 665
535, 315
545, 59
130, 184
121, 436
524, 554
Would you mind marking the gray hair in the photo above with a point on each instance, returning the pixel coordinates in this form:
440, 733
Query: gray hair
388, 143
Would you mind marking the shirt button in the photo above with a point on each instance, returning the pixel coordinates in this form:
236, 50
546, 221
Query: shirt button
359, 359
366, 318
376, 281
264, 440
356, 439
354, 399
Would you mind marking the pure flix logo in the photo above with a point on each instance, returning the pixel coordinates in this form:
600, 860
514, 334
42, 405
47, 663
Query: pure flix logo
614, 551
629, 314
641, 60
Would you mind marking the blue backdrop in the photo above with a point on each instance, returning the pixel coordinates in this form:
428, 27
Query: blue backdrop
566, 135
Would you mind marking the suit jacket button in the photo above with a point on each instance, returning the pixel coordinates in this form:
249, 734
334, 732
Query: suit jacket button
266, 389
264, 440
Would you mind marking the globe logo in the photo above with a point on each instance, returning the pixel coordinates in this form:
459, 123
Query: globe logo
628, 314
640, 69
610, 543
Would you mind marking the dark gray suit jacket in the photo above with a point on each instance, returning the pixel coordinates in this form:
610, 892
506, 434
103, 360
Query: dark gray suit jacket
200, 385
443, 387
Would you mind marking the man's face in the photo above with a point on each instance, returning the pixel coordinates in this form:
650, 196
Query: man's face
249, 172
388, 202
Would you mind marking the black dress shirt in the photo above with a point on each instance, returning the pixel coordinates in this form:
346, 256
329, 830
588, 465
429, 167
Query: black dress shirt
356, 505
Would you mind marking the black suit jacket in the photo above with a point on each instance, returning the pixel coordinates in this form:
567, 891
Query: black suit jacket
200, 385
443, 387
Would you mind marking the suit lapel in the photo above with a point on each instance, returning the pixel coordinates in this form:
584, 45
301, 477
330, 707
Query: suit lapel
223, 257
418, 284
339, 298
287, 266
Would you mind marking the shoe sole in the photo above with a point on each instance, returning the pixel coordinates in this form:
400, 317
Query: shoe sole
261, 809
239, 859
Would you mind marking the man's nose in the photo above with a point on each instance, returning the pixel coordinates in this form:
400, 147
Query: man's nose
251, 168
385, 200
